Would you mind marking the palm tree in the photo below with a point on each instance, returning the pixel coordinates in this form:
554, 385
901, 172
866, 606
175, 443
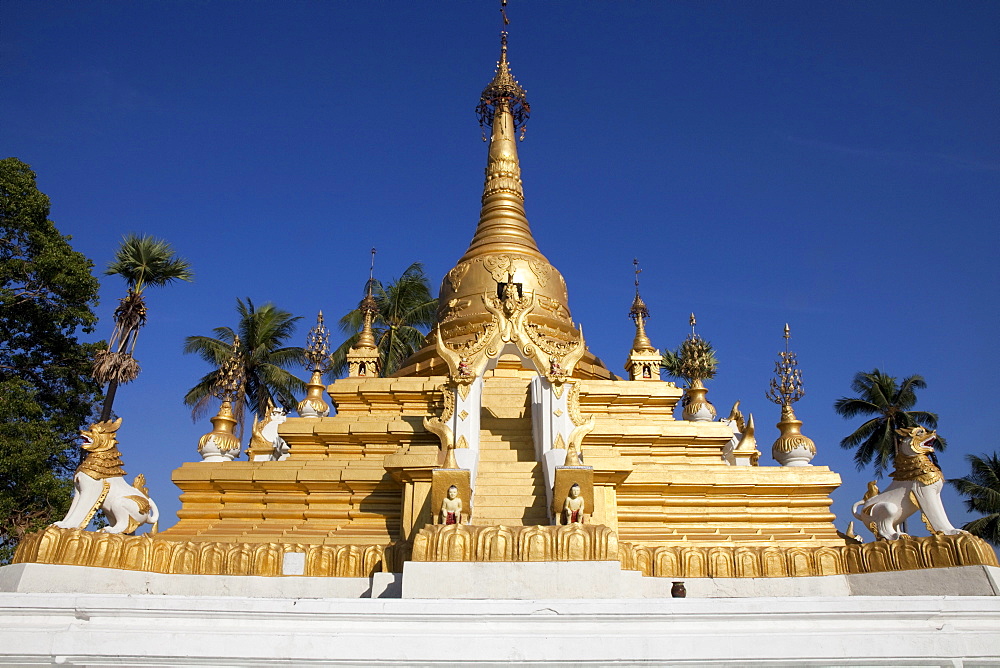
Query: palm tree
889, 405
264, 357
143, 261
982, 487
405, 313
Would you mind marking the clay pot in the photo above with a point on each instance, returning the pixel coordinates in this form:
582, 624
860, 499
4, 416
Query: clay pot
678, 590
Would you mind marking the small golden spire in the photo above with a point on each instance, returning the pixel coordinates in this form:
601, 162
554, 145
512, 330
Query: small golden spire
227, 387
363, 357
786, 388
639, 313
644, 361
368, 308
317, 352
503, 224
317, 356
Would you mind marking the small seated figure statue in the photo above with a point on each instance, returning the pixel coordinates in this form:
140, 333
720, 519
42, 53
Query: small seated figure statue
451, 507
573, 506
464, 368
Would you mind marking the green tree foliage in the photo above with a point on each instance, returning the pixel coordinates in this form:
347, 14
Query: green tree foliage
264, 358
694, 360
406, 312
143, 261
982, 491
888, 404
47, 293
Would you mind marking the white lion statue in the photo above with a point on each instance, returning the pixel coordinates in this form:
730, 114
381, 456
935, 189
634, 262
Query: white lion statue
265, 439
99, 483
917, 484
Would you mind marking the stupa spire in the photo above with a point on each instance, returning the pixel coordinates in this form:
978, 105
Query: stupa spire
503, 107
363, 358
639, 312
644, 361
503, 291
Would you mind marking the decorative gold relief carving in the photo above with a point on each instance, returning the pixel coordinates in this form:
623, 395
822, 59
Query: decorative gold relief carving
554, 307
573, 404
903, 554
572, 542
439, 425
463, 415
498, 266
150, 553
456, 275
540, 269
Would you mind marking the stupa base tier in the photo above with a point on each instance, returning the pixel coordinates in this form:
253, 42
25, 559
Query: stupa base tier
696, 561
465, 543
193, 557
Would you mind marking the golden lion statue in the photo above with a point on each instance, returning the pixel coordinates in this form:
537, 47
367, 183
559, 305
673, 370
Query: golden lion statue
99, 483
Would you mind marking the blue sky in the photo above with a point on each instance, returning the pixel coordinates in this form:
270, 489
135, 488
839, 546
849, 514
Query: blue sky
835, 166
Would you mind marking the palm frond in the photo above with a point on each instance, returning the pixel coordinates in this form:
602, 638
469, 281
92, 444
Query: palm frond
925, 418
861, 434
906, 397
145, 260
849, 407
264, 357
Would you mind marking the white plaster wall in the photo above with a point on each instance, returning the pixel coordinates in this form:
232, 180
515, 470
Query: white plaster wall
49, 578
147, 630
497, 580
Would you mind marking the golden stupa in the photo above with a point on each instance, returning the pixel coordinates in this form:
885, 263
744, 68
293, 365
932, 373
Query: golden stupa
505, 403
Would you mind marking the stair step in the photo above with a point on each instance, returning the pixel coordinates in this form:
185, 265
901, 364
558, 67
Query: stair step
505, 456
511, 487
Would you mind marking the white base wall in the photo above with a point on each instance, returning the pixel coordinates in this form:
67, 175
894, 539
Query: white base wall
149, 630
496, 580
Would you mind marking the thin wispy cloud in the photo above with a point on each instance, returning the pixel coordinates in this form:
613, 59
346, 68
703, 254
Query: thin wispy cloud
905, 158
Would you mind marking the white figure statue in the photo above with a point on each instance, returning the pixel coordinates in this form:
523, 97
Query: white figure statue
99, 482
573, 506
265, 434
916, 473
451, 507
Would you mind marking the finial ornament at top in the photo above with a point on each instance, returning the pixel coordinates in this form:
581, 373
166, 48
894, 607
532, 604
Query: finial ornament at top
503, 91
792, 448
317, 359
221, 444
317, 350
695, 362
786, 386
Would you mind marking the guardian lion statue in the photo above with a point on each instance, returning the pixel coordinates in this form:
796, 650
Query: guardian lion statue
99, 483
917, 484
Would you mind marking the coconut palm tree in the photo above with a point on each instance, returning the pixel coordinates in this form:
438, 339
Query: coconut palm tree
982, 489
264, 357
405, 313
143, 261
888, 404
